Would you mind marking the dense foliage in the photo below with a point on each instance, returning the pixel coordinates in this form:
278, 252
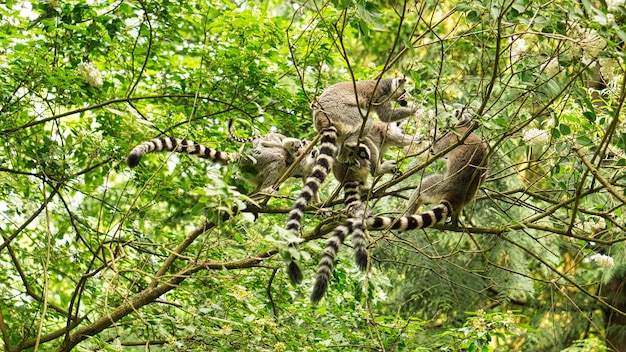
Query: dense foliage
177, 255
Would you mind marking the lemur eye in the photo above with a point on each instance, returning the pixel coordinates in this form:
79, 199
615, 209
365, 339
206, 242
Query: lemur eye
363, 153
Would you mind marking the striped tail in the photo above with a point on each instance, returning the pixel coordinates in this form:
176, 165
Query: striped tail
411, 222
323, 165
354, 206
231, 134
178, 145
352, 226
352, 197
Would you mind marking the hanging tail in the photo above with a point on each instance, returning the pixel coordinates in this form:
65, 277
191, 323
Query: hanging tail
354, 227
323, 165
352, 197
169, 144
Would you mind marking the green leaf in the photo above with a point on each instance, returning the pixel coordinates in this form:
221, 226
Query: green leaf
590, 115
584, 140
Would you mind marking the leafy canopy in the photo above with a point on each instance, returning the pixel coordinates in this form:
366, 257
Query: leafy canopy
176, 254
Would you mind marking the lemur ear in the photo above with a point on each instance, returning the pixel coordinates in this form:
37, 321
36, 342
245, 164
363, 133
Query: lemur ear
463, 116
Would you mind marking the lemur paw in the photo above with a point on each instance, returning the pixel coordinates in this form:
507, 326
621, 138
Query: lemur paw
388, 167
268, 191
418, 138
402, 99
355, 210
416, 110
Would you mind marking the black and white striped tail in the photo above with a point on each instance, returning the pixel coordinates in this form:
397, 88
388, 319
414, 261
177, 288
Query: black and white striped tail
178, 145
231, 134
351, 226
354, 206
410, 222
354, 227
352, 196
323, 165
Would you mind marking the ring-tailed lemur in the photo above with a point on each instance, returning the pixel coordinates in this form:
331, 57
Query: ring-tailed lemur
342, 112
382, 135
353, 174
466, 170
269, 146
369, 156
271, 156
353, 177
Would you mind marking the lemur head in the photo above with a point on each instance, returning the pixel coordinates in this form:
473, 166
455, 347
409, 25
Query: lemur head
295, 146
349, 153
397, 91
392, 89
456, 122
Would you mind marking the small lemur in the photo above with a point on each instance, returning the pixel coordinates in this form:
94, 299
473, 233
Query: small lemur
272, 155
382, 135
466, 170
267, 148
353, 174
342, 112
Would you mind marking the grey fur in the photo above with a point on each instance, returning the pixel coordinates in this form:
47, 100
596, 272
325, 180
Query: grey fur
466, 170
383, 135
451, 191
272, 155
342, 112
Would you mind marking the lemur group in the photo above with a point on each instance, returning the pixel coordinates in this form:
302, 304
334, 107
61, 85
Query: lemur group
352, 144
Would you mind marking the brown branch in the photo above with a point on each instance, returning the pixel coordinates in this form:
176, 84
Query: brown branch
18, 172
268, 290
45, 338
153, 292
177, 252
597, 175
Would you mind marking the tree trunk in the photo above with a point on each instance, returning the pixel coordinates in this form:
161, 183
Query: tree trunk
616, 322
